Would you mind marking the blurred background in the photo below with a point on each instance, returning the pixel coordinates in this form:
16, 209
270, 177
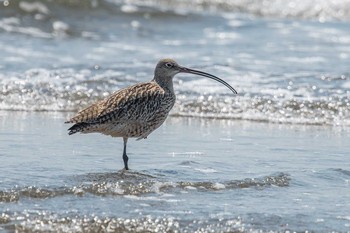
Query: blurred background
289, 60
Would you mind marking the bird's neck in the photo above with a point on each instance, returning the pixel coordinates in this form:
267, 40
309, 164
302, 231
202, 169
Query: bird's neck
165, 82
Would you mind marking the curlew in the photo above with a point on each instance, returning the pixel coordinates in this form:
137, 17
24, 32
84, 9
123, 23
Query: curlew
135, 111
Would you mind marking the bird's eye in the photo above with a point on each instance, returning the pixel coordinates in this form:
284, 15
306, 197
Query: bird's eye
168, 65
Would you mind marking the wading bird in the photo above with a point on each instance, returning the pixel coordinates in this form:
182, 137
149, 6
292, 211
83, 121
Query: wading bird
135, 111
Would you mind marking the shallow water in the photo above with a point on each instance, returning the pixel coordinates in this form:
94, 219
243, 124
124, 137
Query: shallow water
191, 175
219, 163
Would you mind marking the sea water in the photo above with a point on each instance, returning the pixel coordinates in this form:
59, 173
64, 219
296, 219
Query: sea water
273, 158
191, 175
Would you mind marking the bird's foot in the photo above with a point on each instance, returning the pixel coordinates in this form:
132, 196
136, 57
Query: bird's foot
124, 170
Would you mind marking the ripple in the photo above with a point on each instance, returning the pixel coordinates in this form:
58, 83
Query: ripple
136, 184
50, 222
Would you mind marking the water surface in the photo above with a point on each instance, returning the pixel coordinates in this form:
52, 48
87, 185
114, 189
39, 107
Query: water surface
273, 158
192, 174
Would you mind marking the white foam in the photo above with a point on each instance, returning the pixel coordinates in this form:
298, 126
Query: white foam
219, 186
33, 7
129, 8
206, 170
321, 10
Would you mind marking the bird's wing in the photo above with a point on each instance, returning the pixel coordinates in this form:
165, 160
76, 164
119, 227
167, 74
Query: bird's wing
122, 104
88, 113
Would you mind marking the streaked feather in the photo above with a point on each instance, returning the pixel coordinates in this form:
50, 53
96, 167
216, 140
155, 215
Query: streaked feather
129, 112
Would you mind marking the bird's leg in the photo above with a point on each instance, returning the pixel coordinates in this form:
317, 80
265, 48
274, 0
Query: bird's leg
125, 157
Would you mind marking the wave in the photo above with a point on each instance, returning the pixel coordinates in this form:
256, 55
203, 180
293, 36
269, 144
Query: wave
319, 111
135, 184
322, 10
70, 90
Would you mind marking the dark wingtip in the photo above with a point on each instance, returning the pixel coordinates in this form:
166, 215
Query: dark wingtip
71, 132
71, 129
78, 127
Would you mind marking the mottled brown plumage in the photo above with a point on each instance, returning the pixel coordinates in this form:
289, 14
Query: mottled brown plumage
135, 111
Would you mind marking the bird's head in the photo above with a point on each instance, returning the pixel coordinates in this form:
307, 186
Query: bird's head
167, 68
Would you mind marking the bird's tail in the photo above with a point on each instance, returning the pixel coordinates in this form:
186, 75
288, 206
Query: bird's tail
78, 127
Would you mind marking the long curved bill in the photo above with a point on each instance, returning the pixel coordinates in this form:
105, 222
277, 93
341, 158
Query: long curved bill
197, 72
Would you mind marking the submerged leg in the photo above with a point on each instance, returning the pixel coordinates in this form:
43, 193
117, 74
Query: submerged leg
125, 157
